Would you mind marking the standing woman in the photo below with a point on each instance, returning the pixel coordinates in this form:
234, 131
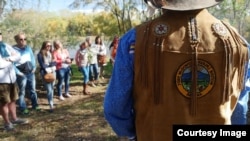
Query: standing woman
101, 57
113, 48
93, 68
82, 62
63, 62
47, 65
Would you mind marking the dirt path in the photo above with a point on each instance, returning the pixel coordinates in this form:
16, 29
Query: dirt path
76, 92
79, 118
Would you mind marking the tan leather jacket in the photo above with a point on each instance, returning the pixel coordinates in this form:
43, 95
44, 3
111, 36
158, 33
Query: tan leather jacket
189, 69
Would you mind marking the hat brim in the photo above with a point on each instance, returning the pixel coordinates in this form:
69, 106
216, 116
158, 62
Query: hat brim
185, 5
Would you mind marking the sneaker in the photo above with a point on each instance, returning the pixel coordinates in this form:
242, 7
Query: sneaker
37, 108
68, 95
25, 112
20, 121
61, 98
51, 110
8, 127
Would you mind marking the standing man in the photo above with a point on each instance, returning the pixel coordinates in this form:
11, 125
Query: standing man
184, 67
8, 87
25, 69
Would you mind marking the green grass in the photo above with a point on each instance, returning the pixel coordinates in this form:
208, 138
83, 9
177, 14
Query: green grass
77, 75
108, 69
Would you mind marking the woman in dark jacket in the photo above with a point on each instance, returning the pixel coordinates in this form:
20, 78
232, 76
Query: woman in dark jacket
47, 65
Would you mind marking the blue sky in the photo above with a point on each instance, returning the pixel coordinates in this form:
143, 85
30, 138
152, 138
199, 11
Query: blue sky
57, 5
48, 5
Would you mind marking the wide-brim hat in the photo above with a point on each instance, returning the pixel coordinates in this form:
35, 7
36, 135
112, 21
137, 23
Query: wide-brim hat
184, 5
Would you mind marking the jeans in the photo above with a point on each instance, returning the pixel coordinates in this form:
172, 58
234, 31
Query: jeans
93, 72
63, 75
239, 115
27, 84
50, 91
85, 73
101, 69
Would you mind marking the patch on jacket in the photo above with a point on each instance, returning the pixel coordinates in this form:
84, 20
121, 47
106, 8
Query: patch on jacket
220, 29
205, 80
160, 29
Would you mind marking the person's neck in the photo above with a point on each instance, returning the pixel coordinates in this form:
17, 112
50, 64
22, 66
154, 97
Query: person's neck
21, 46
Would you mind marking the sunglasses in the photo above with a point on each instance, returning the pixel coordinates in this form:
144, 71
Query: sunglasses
23, 39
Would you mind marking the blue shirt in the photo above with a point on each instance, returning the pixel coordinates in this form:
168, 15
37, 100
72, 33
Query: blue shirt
118, 103
26, 55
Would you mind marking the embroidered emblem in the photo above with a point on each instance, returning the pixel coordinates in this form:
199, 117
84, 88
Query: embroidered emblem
161, 29
220, 29
205, 82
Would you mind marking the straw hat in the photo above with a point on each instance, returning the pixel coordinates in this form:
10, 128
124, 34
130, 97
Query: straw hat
183, 5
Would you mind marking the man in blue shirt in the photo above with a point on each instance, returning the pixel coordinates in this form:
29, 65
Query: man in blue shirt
25, 70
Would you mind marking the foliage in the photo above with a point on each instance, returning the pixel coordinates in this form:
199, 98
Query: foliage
101, 24
124, 12
79, 25
22, 21
119, 16
234, 11
70, 28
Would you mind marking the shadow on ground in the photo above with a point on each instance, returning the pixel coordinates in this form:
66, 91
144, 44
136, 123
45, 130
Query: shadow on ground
79, 118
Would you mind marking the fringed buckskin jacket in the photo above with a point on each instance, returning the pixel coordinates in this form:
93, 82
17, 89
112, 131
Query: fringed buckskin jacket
186, 68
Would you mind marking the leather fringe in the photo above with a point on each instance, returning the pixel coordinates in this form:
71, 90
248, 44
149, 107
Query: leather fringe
193, 92
194, 42
243, 59
143, 58
157, 90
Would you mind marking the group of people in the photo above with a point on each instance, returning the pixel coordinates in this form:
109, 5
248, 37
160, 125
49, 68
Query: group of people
57, 62
88, 58
17, 73
17, 76
91, 60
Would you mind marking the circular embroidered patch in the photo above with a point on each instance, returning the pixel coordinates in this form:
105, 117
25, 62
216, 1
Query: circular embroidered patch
220, 29
205, 81
160, 29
